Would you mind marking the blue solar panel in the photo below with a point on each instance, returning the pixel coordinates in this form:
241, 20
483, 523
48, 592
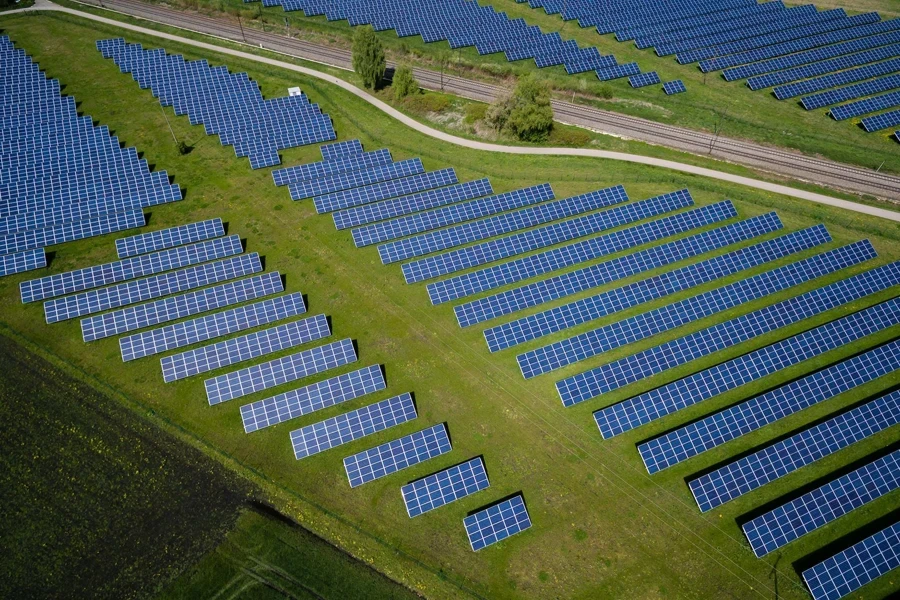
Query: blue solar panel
129, 268
388, 209
824, 82
449, 215
341, 149
560, 286
730, 333
211, 326
548, 235
607, 303
823, 505
773, 462
68, 232
671, 316
674, 87
665, 400
443, 487
169, 238
497, 523
820, 68
524, 218
353, 179
644, 79
177, 307
883, 121
85, 303
862, 107
618, 71
313, 397
243, 348
384, 190
856, 566
316, 170
20, 262
558, 258
396, 455
279, 371
866, 88
715, 430
353, 425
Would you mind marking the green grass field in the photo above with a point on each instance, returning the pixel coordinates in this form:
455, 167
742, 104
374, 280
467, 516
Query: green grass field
603, 528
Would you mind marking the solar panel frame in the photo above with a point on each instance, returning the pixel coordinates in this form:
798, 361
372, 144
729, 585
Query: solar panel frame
20, 262
70, 232
347, 180
644, 79
169, 238
497, 522
396, 455
444, 487
384, 190
674, 87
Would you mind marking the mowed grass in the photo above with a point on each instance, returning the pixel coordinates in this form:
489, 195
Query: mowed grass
603, 528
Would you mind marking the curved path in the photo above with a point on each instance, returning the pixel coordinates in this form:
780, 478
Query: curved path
484, 146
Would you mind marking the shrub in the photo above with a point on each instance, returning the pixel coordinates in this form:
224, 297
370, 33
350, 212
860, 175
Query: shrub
421, 104
525, 114
404, 83
569, 136
368, 57
475, 111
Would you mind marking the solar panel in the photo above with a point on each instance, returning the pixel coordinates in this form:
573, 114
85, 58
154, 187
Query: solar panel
313, 397
644, 79
821, 68
401, 453
129, 268
169, 238
674, 87
607, 303
384, 190
387, 209
778, 460
725, 335
353, 179
353, 425
434, 241
866, 88
444, 487
19, 262
177, 307
882, 121
69, 232
691, 440
497, 523
279, 371
449, 215
823, 505
325, 168
862, 107
243, 348
665, 400
340, 149
808, 86
618, 71
548, 235
560, 286
856, 566
572, 254
211, 326
671, 316
131, 292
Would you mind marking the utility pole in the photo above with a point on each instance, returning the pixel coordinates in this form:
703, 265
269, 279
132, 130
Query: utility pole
241, 25
717, 129
163, 111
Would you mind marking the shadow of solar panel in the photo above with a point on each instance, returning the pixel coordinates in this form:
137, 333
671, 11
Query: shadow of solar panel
279, 371
445, 486
856, 566
354, 179
524, 218
396, 455
730, 333
313, 397
823, 505
778, 460
497, 523
541, 237
169, 238
660, 286
326, 168
558, 258
384, 190
19, 262
671, 316
246, 347
353, 425
450, 215
724, 426
665, 400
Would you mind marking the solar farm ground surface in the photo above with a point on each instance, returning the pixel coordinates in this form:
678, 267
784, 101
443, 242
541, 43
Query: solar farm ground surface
602, 527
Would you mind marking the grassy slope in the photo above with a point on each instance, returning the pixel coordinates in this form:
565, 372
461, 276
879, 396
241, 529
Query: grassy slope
603, 529
738, 111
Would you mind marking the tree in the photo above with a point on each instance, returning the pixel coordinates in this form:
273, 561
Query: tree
404, 83
368, 57
526, 113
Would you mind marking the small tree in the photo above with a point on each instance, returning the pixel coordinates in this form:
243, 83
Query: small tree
526, 113
404, 83
368, 57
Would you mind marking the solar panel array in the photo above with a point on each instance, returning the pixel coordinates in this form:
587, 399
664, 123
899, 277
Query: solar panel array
824, 67
657, 403
384, 190
398, 454
444, 487
856, 566
19, 262
882, 121
823, 505
772, 462
862, 107
352, 179
169, 238
644, 79
496, 523
325, 168
229, 105
310, 398
866, 88
690, 440
674, 87
353, 425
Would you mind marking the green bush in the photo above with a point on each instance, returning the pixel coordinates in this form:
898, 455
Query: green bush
475, 112
422, 104
368, 57
526, 113
569, 136
404, 83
